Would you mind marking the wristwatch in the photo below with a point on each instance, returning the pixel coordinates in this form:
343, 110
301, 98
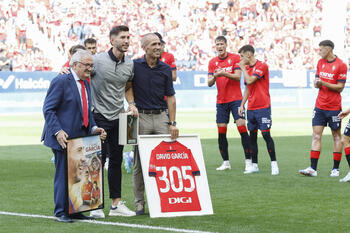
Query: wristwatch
133, 103
173, 123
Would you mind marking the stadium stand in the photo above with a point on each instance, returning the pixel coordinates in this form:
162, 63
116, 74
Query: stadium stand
36, 34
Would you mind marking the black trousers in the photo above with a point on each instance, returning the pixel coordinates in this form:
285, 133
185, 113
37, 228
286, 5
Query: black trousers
115, 154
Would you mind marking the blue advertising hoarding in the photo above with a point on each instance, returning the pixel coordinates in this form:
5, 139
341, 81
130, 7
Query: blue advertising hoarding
25, 81
187, 80
25, 91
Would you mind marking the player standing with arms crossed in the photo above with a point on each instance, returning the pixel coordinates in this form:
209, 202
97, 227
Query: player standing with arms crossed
256, 77
225, 72
330, 80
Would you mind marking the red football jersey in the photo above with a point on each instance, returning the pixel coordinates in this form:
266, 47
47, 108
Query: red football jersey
169, 59
86, 192
259, 95
228, 90
95, 176
330, 72
174, 168
66, 64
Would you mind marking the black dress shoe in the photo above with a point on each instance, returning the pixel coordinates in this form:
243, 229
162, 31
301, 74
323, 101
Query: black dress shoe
80, 216
64, 218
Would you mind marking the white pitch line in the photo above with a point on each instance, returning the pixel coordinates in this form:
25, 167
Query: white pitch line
108, 223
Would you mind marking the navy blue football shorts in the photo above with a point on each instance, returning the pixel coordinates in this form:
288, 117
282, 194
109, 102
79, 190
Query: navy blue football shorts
324, 117
223, 111
259, 119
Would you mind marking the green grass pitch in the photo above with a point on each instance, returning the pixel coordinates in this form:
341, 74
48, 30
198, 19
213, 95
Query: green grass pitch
260, 202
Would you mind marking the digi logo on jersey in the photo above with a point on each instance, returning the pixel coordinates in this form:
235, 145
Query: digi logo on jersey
175, 200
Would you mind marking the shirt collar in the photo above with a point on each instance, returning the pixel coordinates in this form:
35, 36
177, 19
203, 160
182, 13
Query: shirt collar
143, 60
251, 66
113, 57
76, 78
332, 60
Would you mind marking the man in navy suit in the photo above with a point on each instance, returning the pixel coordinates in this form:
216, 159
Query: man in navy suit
67, 112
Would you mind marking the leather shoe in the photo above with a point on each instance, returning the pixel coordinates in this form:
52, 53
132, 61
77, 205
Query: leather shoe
64, 218
80, 216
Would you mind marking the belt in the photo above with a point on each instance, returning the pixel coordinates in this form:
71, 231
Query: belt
151, 111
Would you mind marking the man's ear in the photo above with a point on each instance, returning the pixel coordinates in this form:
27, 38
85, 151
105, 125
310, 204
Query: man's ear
111, 39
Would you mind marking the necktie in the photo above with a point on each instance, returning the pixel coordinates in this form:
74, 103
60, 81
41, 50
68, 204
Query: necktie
85, 107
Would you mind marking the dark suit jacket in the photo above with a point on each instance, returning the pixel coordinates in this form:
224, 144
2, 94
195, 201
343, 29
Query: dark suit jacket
63, 110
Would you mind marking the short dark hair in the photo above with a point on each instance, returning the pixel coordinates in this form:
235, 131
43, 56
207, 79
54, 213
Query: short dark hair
117, 29
160, 37
90, 41
247, 48
328, 43
221, 38
75, 48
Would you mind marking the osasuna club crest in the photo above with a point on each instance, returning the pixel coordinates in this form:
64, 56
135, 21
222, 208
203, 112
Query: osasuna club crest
333, 68
229, 61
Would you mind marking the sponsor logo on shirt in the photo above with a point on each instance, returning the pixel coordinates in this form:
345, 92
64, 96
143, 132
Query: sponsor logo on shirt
260, 72
228, 69
176, 200
326, 75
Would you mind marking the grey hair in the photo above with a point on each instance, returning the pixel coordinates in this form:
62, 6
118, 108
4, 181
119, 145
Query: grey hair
145, 39
78, 55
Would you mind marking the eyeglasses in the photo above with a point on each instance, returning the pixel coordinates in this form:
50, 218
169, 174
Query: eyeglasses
89, 65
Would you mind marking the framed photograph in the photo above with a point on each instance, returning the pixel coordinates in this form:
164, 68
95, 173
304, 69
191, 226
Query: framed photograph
128, 129
84, 174
175, 176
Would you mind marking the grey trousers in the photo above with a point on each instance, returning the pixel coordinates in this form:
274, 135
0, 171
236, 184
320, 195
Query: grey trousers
148, 124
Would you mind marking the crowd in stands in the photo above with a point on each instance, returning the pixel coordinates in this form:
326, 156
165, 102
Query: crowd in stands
285, 33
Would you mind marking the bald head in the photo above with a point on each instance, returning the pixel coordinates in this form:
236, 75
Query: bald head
148, 38
150, 43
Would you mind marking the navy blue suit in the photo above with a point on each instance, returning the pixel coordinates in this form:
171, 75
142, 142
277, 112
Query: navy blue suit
63, 111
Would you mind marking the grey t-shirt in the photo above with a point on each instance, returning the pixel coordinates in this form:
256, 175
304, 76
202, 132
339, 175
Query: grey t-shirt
108, 82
